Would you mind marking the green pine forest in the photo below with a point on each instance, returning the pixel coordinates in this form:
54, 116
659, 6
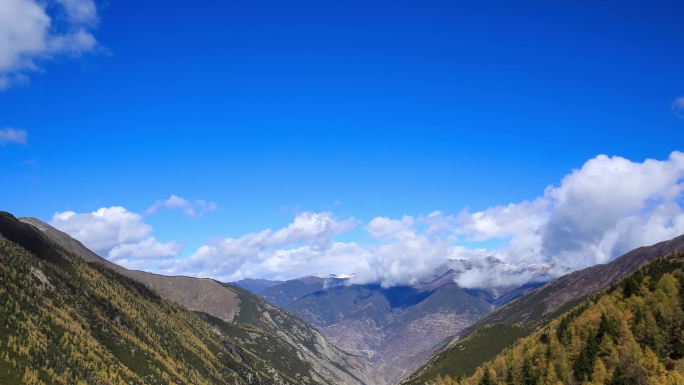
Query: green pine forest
630, 334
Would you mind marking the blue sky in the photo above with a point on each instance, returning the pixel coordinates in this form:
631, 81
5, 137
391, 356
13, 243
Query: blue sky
363, 109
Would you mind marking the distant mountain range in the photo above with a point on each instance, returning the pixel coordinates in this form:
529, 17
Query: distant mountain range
398, 328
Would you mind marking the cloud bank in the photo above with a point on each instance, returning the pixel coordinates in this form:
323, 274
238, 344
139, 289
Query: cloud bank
33, 30
605, 208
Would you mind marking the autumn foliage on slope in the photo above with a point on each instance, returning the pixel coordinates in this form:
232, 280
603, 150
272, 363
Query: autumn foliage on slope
64, 321
632, 333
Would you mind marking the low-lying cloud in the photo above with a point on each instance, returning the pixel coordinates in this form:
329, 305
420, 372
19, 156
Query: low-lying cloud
605, 208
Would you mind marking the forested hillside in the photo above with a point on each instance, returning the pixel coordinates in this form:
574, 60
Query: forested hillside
632, 333
290, 345
67, 321
489, 336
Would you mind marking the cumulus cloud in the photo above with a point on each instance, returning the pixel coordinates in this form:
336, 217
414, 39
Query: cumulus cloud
519, 224
12, 135
383, 227
602, 210
304, 246
33, 30
597, 212
146, 248
608, 206
405, 252
116, 234
192, 208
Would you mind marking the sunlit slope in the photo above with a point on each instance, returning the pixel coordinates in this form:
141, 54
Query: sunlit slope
500, 329
632, 333
285, 341
66, 320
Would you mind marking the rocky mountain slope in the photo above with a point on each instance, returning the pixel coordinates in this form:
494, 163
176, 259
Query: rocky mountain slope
396, 329
264, 342
489, 336
631, 333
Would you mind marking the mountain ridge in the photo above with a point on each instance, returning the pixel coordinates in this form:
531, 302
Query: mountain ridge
521, 316
396, 329
630, 332
225, 302
70, 321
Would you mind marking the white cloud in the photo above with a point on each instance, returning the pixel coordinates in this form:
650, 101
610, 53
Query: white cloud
303, 247
404, 252
148, 248
12, 135
609, 206
492, 272
598, 212
383, 227
518, 224
116, 234
404, 255
32, 30
609, 195
193, 208
438, 222
313, 228
678, 107
602, 210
